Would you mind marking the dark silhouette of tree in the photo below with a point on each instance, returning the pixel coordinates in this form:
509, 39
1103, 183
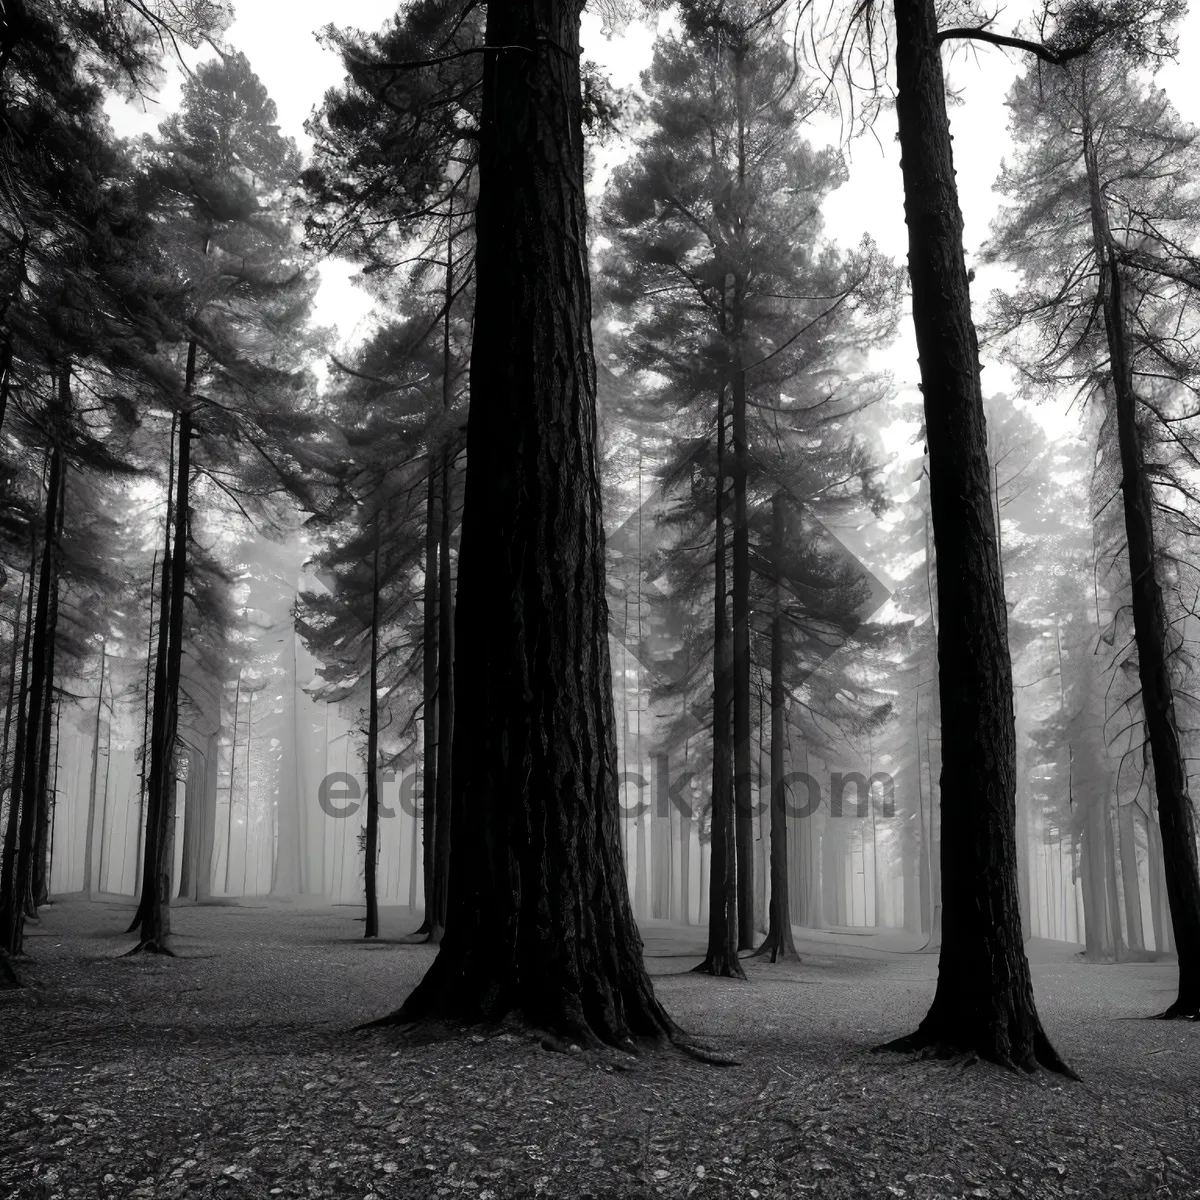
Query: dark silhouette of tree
539, 916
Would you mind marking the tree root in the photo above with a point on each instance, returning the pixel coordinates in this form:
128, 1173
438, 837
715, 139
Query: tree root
8, 973
926, 1045
1181, 1010
150, 946
777, 952
722, 966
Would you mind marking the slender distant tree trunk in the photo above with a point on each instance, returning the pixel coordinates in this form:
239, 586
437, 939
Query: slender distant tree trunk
210, 770
984, 1000
539, 918
780, 944
237, 696
90, 881
155, 912
183, 887
429, 724
14, 889
372, 847
246, 826
722, 957
1150, 627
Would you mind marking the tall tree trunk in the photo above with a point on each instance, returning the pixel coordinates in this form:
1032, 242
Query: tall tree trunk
984, 1000
210, 771
539, 918
1175, 816
445, 712
14, 658
13, 889
445, 636
187, 866
780, 944
742, 771
90, 879
8, 857
237, 697
160, 849
149, 827
721, 957
37, 891
429, 723
372, 841
149, 703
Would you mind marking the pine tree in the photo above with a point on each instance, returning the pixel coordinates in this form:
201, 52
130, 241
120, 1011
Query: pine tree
727, 291
1107, 237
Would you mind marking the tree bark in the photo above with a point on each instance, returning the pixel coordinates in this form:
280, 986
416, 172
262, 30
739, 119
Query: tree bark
14, 658
90, 880
780, 943
984, 1000
237, 700
8, 857
445, 633
445, 713
721, 957
150, 832
149, 704
14, 888
1175, 817
155, 908
371, 861
742, 773
429, 724
539, 920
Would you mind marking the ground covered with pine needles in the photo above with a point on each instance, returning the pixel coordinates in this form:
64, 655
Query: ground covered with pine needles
233, 1071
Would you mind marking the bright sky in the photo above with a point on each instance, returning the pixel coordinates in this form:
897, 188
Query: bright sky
282, 47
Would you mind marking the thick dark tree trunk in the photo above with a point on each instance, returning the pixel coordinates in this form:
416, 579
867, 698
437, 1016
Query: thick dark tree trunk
148, 827
37, 888
8, 856
984, 1000
429, 724
14, 658
371, 861
1175, 816
780, 944
442, 801
539, 921
39, 876
742, 777
722, 954
154, 912
445, 712
16, 878
148, 705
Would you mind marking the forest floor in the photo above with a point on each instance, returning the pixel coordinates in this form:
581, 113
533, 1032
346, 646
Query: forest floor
233, 1071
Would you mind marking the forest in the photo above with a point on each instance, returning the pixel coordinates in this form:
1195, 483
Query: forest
545, 737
